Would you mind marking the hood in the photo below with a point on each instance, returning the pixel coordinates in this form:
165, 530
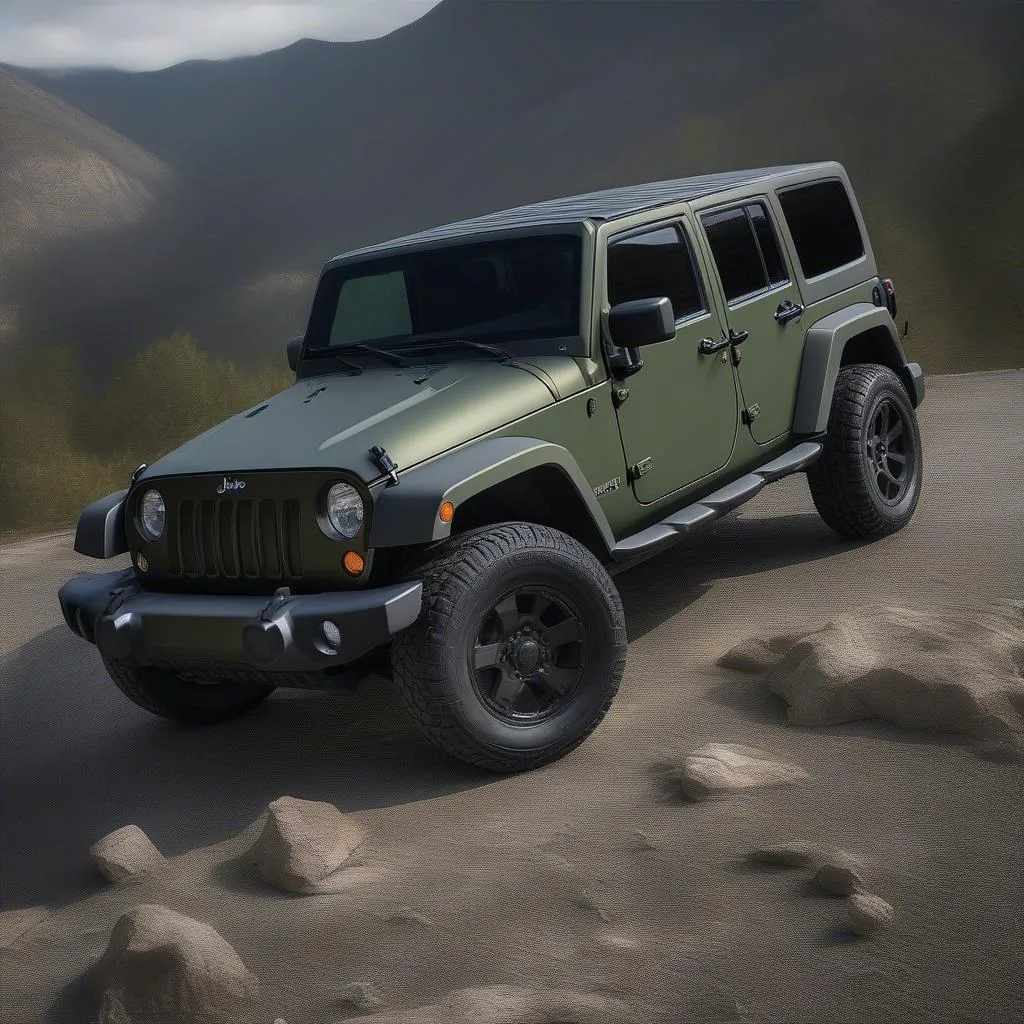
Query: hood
332, 421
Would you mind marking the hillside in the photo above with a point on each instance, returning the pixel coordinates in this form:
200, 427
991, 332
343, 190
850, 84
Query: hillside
287, 158
62, 176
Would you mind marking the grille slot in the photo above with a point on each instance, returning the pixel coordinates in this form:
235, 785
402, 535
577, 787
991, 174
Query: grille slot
230, 539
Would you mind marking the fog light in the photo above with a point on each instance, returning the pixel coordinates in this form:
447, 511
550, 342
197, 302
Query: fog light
331, 633
353, 562
446, 512
142, 562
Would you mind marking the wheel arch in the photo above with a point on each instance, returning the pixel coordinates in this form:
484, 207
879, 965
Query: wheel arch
862, 333
500, 479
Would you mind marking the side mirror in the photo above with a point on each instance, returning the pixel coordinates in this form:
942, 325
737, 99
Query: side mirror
642, 322
294, 350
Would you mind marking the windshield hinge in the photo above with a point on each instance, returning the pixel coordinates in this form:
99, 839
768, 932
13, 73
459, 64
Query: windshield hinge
385, 462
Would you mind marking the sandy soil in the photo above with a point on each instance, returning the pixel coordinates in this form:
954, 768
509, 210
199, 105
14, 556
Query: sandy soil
595, 875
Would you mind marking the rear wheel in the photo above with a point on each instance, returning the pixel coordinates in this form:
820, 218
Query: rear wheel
519, 650
867, 481
182, 699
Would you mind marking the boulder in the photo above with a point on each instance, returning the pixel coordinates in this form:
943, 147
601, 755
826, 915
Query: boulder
839, 874
303, 842
869, 914
126, 852
953, 671
162, 967
359, 995
718, 768
509, 1004
789, 855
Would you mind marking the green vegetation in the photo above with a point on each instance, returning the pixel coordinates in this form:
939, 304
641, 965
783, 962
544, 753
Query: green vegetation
64, 443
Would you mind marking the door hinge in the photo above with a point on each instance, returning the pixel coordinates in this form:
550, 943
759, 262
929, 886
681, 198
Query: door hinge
642, 467
750, 414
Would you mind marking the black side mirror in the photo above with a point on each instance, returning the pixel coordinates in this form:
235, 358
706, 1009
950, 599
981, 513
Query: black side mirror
642, 322
294, 351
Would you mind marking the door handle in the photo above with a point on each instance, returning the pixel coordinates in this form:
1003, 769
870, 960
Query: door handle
707, 347
788, 311
738, 337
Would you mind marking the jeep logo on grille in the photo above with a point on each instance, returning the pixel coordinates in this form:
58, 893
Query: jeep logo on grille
230, 484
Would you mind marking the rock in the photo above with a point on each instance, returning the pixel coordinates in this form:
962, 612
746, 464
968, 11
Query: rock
790, 855
162, 967
954, 672
755, 654
869, 914
302, 842
15, 923
507, 1004
126, 852
839, 874
719, 768
359, 995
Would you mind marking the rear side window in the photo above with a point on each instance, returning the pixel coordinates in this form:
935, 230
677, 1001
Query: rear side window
823, 225
654, 264
745, 249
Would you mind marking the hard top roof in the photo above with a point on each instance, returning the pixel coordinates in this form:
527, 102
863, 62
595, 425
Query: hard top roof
607, 204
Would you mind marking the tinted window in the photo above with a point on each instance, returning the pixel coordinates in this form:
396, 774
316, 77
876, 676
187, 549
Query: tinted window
371, 307
823, 225
768, 244
655, 264
518, 289
736, 253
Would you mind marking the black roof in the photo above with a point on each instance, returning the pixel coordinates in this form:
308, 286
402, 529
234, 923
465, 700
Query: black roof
607, 204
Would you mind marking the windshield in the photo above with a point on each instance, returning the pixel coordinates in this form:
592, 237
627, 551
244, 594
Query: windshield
523, 292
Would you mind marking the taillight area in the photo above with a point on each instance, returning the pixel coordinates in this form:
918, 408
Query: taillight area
889, 289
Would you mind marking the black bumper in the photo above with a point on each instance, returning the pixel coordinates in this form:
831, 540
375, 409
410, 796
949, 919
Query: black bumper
284, 633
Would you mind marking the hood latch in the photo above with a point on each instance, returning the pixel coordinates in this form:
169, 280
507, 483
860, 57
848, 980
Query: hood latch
385, 462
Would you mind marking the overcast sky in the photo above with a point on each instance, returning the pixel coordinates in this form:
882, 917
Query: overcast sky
157, 33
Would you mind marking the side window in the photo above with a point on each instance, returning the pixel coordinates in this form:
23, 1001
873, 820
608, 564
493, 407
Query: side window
652, 264
746, 250
370, 307
768, 244
823, 225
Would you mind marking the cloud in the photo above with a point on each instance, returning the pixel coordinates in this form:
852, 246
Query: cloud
146, 36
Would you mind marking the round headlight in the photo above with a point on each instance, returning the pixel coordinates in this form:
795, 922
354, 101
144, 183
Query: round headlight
344, 510
152, 515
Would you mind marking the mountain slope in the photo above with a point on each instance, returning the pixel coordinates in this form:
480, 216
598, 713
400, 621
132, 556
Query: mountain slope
290, 157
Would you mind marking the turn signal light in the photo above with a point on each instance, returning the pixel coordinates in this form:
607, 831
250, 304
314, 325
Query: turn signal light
446, 512
353, 562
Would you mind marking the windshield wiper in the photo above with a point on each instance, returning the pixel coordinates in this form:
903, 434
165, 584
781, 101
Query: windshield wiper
493, 350
351, 367
388, 357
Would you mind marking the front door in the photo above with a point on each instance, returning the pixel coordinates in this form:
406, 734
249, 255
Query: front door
678, 422
763, 304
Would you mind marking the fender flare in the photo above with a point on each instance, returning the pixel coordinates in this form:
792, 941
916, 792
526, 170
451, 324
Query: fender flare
101, 529
823, 352
405, 514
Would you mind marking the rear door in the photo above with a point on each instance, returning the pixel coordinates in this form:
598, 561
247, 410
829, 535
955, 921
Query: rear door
678, 423
763, 311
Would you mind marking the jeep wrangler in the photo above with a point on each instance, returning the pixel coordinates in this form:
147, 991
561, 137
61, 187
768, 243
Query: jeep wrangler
488, 420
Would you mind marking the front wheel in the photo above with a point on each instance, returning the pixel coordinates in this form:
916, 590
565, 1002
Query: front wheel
181, 699
867, 481
518, 651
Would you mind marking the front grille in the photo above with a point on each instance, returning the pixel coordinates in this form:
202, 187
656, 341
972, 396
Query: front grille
237, 539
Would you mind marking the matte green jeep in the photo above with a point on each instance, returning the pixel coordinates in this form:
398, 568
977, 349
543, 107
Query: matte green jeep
489, 418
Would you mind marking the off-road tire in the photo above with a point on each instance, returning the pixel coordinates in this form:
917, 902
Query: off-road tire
430, 660
842, 481
164, 693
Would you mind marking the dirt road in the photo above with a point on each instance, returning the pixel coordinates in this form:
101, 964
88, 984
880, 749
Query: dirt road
540, 879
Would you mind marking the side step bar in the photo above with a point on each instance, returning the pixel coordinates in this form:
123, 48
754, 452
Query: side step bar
715, 505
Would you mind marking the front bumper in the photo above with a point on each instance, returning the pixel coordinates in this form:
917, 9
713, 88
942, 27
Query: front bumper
283, 633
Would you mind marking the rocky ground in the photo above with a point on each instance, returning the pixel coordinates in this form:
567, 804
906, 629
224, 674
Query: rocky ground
774, 823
